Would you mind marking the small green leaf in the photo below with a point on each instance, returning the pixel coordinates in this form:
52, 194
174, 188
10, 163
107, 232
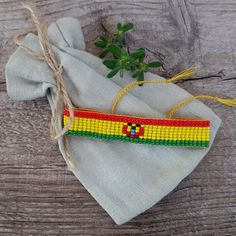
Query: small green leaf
128, 26
113, 72
115, 50
154, 64
111, 64
141, 77
141, 59
130, 66
102, 38
141, 49
119, 26
138, 54
136, 73
100, 44
103, 54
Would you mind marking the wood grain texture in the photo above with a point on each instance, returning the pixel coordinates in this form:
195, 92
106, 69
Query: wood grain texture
39, 196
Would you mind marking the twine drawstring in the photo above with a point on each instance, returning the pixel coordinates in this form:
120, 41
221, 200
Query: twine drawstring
48, 56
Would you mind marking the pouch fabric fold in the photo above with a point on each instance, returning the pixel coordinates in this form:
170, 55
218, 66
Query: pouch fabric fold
125, 178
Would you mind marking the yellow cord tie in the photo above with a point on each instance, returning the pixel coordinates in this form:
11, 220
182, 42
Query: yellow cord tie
184, 74
226, 101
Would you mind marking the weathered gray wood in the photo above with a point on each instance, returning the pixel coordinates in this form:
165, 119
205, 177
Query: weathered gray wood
38, 196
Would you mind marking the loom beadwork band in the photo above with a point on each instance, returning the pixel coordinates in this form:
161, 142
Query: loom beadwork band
169, 132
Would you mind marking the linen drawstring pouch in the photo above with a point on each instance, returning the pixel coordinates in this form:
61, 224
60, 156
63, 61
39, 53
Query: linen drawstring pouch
125, 178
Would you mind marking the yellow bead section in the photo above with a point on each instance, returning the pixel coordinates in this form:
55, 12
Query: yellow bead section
151, 132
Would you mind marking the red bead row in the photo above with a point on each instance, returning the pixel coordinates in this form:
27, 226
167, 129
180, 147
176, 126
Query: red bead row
143, 121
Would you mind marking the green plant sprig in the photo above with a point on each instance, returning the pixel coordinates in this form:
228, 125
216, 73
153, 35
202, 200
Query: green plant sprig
123, 60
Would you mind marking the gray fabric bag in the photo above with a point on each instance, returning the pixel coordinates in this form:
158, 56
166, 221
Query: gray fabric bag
126, 179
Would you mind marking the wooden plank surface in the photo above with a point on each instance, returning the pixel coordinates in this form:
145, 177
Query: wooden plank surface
39, 196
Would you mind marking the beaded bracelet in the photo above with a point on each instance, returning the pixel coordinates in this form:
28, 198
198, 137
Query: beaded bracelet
168, 132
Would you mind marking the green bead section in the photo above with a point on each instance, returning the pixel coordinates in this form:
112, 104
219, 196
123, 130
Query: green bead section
189, 143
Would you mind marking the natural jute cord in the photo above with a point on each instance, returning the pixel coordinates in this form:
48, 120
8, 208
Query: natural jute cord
48, 56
